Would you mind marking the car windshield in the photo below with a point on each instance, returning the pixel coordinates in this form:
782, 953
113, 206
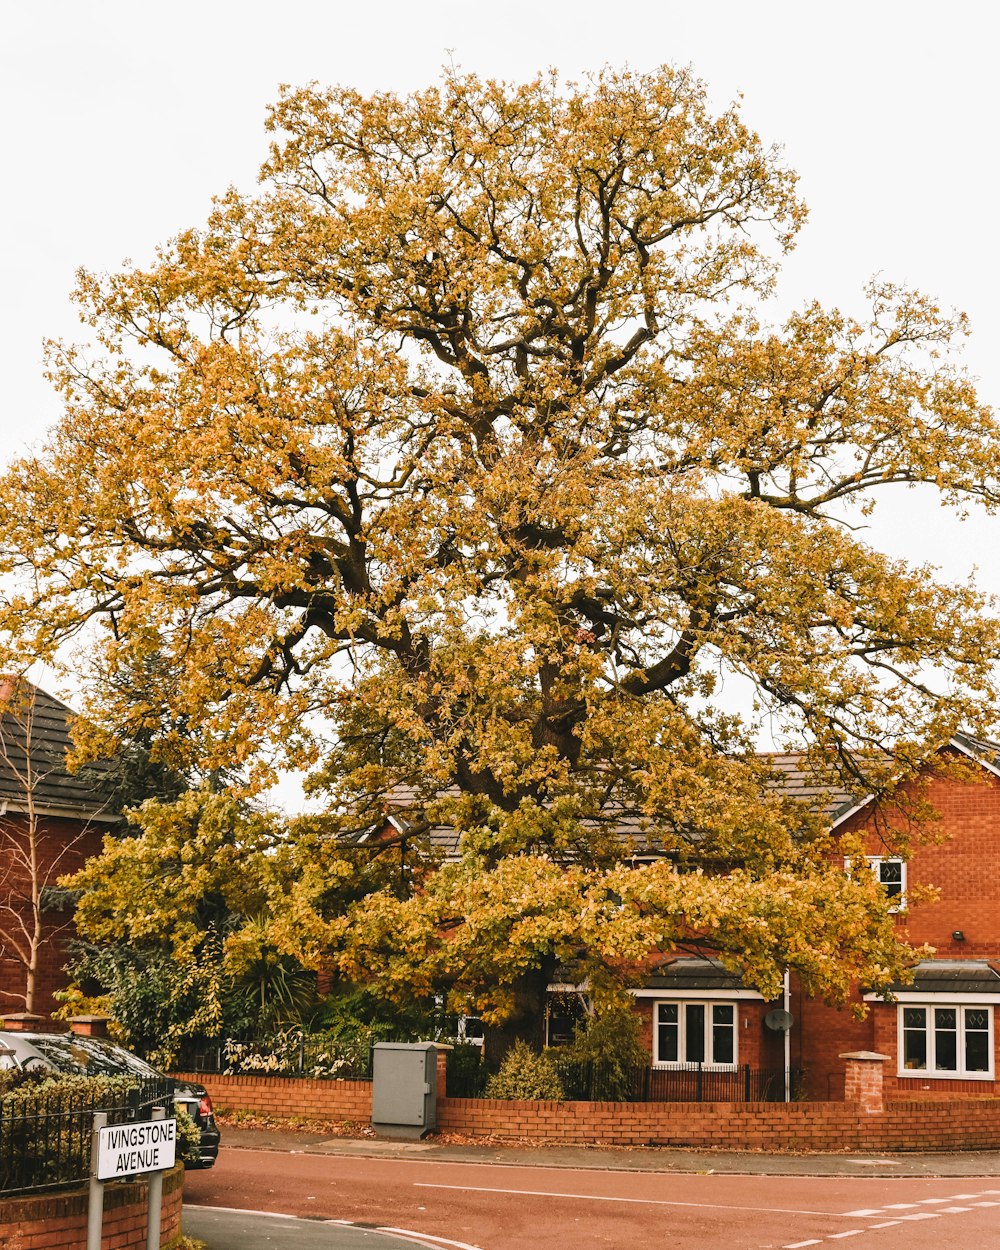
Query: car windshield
90, 1056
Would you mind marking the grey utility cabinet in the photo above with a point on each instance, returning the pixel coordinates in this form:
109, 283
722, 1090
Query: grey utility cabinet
404, 1088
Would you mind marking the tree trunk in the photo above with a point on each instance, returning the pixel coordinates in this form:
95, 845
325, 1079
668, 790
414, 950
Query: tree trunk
528, 1021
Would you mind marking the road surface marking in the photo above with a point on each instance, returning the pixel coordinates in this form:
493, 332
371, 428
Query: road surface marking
956, 1210
868, 1211
851, 1232
796, 1245
923, 1215
272, 1215
887, 1224
429, 1239
652, 1202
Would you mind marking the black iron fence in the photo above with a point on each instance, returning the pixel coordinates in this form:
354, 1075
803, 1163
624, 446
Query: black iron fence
612, 1082
293, 1053
48, 1147
325, 1058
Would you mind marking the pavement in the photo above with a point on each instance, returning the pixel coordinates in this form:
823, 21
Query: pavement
627, 1159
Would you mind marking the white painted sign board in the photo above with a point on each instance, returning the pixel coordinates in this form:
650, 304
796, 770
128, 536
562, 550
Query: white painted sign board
129, 1149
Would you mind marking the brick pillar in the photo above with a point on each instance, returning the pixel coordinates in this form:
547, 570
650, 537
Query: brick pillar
89, 1026
863, 1079
25, 1022
442, 1070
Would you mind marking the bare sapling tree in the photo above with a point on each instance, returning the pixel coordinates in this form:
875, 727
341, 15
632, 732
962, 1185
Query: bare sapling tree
32, 854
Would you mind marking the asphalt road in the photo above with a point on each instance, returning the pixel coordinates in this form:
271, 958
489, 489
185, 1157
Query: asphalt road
252, 1230
504, 1206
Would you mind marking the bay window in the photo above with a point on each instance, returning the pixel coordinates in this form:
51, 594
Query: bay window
946, 1040
688, 1032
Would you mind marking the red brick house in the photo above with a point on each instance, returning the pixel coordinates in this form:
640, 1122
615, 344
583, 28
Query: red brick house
50, 821
939, 1034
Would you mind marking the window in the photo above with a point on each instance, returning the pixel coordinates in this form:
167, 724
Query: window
890, 873
695, 1033
946, 1041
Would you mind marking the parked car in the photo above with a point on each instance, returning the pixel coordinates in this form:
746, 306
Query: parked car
93, 1056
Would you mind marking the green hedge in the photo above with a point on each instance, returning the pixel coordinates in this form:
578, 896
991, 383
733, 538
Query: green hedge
46, 1124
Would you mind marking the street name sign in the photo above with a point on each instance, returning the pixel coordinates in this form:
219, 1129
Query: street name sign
130, 1149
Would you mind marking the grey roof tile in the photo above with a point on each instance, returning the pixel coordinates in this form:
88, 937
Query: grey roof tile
34, 742
949, 976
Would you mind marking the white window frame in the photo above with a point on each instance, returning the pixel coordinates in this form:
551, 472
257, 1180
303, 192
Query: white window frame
932, 1071
682, 1061
897, 902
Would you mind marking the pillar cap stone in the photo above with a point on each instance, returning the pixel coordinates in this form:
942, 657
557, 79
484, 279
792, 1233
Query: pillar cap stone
871, 1055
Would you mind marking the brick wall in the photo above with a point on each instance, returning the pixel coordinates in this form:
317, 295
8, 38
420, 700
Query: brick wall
74, 842
960, 866
289, 1096
59, 1221
971, 1124
830, 1126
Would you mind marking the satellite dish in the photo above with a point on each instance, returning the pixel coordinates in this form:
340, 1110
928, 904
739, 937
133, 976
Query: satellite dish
778, 1020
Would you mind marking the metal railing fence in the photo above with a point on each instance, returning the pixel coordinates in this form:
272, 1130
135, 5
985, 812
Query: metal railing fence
612, 1082
49, 1148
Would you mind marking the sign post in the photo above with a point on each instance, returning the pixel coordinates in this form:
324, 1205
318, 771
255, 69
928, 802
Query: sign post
156, 1190
95, 1206
121, 1150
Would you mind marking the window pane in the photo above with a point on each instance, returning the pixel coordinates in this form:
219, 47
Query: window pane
694, 1027
667, 1033
723, 1041
915, 1037
890, 875
946, 1039
977, 1039
977, 1052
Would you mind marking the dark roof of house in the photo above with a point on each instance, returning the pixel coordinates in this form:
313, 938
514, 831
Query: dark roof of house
948, 976
798, 781
34, 742
791, 776
693, 974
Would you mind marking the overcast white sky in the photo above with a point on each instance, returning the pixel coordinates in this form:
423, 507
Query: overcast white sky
121, 120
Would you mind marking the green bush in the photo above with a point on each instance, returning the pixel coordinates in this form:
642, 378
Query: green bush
608, 1048
614, 1037
188, 1137
525, 1075
467, 1070
327, 1055
46, 1125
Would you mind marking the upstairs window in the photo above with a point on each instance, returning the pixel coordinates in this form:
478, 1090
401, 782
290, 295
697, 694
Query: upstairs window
890, 872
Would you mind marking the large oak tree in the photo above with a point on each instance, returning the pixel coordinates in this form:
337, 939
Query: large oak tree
460, 462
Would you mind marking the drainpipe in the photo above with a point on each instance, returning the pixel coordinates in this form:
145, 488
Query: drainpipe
786, 1002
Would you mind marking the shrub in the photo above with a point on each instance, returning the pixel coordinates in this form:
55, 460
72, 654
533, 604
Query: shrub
294, 1053
605, 1056
46, 1124
525, 1074
188, 1137
467, 1071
